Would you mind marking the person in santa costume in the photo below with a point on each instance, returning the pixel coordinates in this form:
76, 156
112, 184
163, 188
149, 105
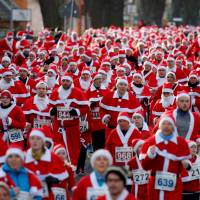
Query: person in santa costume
84, 81
171, 67
139, 175
161, 75
69, 103
8, 44
166, 102
22, 183
193, 89
116, 182
51, 78
37, 108
17, 88
120, 140
141, 90
186, 120
114, 102
95, 93
73, 69
170, 153
60, 150
46, 165
5, 62
139, 122
191, 178
12, 120
93, 185
24, 78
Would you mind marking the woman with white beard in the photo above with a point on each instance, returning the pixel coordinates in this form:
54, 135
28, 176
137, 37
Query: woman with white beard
166, 102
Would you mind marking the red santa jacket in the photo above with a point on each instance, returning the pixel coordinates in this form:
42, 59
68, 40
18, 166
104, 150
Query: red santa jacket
19, 58
17, 89
150, 79
12, 118
5, 46
190, 179
34, 114
181, 77
168, 157
34, 182
111, 105
29, 85
94, 66
84, 185
94, 96
139, 190
48, 165
70, 124
117, 139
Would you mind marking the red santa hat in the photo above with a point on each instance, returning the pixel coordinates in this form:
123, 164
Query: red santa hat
167, 118
6, 72
182, 94
170, 58
172, 73
66, 76
123, 116
59, 147
136, 143
137, 74
41, 83
162, 67
139, 113
88, 54
48, 134
148, 63
103, 70
167, 87
24, 44
122, 53
122, 79
193, 74
120, 68
37, 132
101, 153
86, 70
9, 34
113, 56
72, 62
97, 76
24, 67
20, 34
191, 143
53, 69
106, 61
14, 149
6, 93
6, 58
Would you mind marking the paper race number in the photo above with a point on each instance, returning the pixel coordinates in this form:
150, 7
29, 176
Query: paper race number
123, 154
140, 176
165, 181
15, 135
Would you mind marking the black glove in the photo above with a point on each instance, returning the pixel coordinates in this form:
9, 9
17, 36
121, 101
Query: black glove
73, 112
50, 180
53, 111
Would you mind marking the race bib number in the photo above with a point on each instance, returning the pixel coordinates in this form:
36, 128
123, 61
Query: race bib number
63, 113
95, 113
45, 191
39, 123
24, 195
165, 181
194, 173
59, 193
15, 135
93, 69
123, 154
140, 176
95, 193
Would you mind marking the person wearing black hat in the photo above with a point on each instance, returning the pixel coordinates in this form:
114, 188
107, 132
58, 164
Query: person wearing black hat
116, 182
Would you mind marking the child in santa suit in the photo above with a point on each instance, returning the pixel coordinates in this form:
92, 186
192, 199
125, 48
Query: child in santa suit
140, 176
60, 150
93, 185
23, 184
165, 154
191, 178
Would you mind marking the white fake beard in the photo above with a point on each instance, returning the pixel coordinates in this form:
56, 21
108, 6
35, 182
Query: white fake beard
51, 81
167, 101
85, 84
41, 103
4, 85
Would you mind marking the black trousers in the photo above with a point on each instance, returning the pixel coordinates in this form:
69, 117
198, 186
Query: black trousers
191, 196
98, 139
82, 158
